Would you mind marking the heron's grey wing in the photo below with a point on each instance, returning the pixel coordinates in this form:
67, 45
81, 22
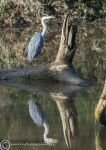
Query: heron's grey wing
35, 45
35, 113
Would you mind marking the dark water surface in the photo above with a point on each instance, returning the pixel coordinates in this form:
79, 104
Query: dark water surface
69, 109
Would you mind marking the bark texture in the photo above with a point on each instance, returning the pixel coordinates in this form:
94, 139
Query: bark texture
67, 44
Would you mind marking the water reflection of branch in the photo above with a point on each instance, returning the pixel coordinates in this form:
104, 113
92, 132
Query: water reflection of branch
100, 111
100, 140
68, 113
40, 87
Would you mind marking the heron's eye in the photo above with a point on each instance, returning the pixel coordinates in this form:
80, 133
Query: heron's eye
103, 106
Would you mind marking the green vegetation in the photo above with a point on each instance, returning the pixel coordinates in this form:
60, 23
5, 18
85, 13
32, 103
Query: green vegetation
88, 9
23, 13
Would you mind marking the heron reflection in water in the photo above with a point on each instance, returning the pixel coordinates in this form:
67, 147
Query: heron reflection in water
37, 41
38, 116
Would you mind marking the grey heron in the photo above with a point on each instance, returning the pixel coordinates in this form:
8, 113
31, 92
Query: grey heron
37, 41
38, 116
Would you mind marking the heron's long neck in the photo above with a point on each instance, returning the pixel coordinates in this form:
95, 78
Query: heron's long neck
46, 126
44, 27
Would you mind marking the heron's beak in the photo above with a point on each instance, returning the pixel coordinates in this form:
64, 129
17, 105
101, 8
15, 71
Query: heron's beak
51, 17
48, 17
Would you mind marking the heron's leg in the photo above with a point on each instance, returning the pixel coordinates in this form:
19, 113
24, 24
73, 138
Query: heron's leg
37, 60
35, 95
28, 77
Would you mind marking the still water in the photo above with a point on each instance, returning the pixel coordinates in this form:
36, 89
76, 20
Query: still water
67, 110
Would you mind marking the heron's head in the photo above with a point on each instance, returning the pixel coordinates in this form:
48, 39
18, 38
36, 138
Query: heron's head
47, 17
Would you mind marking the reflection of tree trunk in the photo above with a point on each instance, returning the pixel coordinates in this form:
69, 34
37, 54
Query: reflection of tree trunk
60, 69
100, 111
100, 140
68, 116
